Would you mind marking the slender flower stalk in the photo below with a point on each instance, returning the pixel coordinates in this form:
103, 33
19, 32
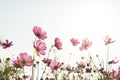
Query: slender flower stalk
69, 57
107, 58
92, 59
100, 64
46, 65
56, 75
24, 73
37, 78
33, 66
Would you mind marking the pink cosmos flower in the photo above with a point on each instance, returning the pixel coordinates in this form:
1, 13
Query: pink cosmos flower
47, 78
23, 60
40, 47
6, 44
69, 68
54, 65
0, 42
25, 76
47, 61
20, 78
74, 41
85, 44
81, 64
108, 40
39, 32
113, 75
113, 62
58, 43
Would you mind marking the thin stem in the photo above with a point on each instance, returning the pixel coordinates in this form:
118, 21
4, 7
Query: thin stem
70, 54
37, 71
33, 64
69, 58
107, 58
33, 61
91, 59
33, 72
43, 73
100, 64
46, 65
56, 75
24, 73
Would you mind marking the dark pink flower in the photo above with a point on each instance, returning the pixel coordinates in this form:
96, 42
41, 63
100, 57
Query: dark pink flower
113, 62
23, 60
54, 65
0, 42
25, 76
85, 44
69, 68
58, 43
74, 41
113, 75
20, 78
39, 32
40, 47
6, 44
49, 78
108, 40
47, 61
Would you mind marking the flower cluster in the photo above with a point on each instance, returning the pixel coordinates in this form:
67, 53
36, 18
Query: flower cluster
50, 68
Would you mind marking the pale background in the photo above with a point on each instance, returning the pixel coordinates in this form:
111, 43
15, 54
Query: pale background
64, 19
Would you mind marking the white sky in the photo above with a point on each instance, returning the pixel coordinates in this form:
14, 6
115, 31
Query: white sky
61, 18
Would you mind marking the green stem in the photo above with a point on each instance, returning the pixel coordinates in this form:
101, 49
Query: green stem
56, 75
33, 67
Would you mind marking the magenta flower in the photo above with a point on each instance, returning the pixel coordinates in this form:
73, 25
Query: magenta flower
23, 60
54, 65
6, 44
58, 43
0, 42
74, 41
20, 78
113, 75
113, 62
40, 47
85, 44
108, 40
69, 68
47, 61
39, 32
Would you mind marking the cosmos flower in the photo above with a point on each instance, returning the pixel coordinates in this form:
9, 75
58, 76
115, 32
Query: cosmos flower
6, 44
54, 65
40, 47
81, 64
58, 43
39, 32
47, 61
108, 40
85, 44
74, 41
23, 60
69, 68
